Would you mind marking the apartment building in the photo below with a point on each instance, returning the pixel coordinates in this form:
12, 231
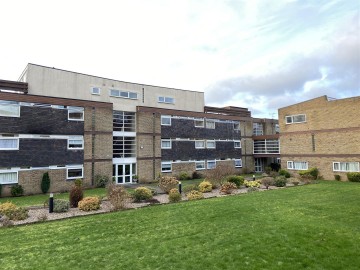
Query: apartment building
323, 133
129, 131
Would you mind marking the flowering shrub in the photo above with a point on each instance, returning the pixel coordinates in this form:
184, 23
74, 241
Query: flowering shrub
166, 183
255, 183
89, 204
194, 195
205, 186
227, 188
142, 193
174, 195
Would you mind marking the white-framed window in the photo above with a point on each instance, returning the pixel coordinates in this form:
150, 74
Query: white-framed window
238, 163
166, 166
346, 167
76, 142
10, 143
75, 113
8, 177
166, 144
199, 122
95, 90
199, 144
298, 118
210, 123
166, 120
169, 100
236, 125
9, 108
123, 94
210, 144
74, 172
297, 165
211, 164
200, 165
237, 144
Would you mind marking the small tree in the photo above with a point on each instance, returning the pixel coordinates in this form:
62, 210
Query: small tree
45, 183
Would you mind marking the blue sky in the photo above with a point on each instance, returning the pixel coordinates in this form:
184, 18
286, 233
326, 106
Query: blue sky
257, 54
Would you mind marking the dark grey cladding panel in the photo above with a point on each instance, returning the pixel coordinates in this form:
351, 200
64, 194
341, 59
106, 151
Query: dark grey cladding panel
183, 150
185, 128
41, 152
35, 120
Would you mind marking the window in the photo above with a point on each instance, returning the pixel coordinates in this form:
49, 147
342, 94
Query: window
210, 123
95, 90
74, 172
199, 144
124, 121
199, 122
8, 177
210, 144
166, 144
9, 143
211, 164
166, 166
237, 144
75, 113
236, 125
9, 108
346, 166
124, 147
76, 142
166, 100
277, 128
299, 118
238, 163
123, 94
200, 165
258, 129
297, 165
166, 120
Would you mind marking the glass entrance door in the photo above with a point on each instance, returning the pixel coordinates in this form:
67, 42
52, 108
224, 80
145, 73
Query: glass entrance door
124, 173
259, 165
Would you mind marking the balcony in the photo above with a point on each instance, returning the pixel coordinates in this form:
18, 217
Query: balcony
266, 147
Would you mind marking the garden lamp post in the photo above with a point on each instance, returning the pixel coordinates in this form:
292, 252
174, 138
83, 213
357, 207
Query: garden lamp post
51, 203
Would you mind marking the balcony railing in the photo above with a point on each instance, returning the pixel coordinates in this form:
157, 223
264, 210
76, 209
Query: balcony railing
267, 147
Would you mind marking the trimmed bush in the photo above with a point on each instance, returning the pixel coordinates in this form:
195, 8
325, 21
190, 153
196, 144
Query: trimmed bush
166, 183
337, 177
197, 175
101, 180
205, 186
142, 193
174, 195
17, 190
194, 195
249, 184
312, 173
89, 204
191, 187
118, 196
61, 206
284, 173
13, 212
6, 207
353, 176
45, 183
228, 187
236, 179
267, 181
76, 195
184, 176
280, 181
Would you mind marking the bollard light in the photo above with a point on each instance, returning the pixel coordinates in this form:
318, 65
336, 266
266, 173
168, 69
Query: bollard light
253, 177
179, 187
51, 203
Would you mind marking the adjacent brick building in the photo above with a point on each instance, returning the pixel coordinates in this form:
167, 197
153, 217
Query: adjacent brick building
322, 133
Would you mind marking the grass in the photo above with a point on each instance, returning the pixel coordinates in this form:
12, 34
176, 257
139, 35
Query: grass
307, 227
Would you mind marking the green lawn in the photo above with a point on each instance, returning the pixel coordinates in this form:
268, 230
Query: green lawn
307, 227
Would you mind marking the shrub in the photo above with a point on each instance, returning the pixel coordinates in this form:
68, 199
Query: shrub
205, 186
142, 193
101, 180
275, 166
249, 184
353, 176
6, 207
228, 187
61, 206
252, 189
76, 195
194, 195
313, 173
45, 183
268, 169
13, 212
184, 176
218, 175
284, 173
6, 222
191, 187
118, 196
17, 190
174, 195
280, 181
236, 179
78, 182
89, 204
267, 181
166, 183
197, 175
337, 177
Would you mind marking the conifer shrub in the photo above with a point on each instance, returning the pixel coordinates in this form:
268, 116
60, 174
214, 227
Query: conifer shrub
174, 195
76, 193
89, 204
45, 183
205, 186
17, 190
337, 177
